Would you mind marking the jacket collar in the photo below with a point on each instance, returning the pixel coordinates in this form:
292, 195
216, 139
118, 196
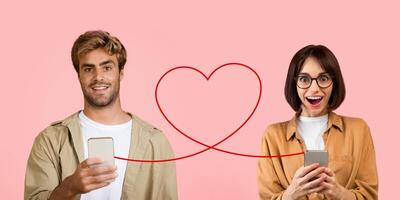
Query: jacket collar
73, 124
333, 120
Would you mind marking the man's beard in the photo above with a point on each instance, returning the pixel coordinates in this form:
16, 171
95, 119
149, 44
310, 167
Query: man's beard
102, 102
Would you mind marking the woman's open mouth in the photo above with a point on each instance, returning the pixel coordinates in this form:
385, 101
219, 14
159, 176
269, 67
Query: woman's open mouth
314, 100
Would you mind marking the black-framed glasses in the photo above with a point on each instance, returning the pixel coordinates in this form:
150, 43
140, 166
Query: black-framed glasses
304, 81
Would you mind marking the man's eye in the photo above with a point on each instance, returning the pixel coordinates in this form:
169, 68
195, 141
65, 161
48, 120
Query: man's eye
108, 68
87, 69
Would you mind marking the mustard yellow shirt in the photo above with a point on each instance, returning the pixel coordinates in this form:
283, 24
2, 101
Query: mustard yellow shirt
351, 157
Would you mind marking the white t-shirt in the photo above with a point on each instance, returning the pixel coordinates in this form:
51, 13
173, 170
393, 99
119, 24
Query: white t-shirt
311, 130
121, 135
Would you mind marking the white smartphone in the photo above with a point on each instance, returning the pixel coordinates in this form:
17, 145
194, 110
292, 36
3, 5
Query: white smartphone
102, 147
316, 156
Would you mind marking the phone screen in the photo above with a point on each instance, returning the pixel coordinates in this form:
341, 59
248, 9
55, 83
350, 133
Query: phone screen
102, 147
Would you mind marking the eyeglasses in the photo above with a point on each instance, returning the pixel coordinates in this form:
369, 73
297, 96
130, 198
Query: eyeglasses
323, 81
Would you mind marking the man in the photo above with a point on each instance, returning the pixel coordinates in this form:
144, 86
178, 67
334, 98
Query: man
58, 165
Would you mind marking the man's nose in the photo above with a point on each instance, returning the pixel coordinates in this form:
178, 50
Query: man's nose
98, 74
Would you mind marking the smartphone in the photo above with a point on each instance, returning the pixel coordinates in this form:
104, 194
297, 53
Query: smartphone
102, 147
316, 156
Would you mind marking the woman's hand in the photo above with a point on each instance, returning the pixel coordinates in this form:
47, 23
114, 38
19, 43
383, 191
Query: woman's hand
333, 190
303, 182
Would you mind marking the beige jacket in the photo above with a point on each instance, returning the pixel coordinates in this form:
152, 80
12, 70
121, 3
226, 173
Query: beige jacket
58, 150
351, 157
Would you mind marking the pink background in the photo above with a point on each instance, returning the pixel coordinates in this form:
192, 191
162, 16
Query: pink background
39, 84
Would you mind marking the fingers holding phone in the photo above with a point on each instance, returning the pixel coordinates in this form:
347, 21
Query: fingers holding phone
90, 174
307, 180
101, 171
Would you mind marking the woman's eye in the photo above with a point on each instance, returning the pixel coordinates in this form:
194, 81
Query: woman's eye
304, 79
324, 78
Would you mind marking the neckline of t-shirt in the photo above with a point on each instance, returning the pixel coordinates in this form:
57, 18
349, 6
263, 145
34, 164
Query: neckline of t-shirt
86, 119
322, 118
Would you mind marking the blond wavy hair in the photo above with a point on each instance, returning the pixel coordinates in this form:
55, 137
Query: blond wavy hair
92, 40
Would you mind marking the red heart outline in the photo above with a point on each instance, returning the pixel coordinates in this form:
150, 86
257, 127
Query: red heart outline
224, 139
208, 78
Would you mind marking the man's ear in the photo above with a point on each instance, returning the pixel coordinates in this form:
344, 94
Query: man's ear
121, 74
78, 74
77, 71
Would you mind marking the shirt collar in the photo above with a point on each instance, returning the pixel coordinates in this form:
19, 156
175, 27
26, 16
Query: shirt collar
333, 120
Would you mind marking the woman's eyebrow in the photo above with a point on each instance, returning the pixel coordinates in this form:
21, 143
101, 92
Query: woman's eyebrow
303, 73
307, 74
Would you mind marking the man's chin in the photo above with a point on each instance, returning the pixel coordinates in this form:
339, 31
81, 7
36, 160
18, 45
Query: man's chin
99, 102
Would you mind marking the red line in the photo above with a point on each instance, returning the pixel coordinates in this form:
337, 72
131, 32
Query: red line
193, 154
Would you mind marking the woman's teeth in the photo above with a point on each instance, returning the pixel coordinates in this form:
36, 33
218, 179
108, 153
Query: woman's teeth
314, 100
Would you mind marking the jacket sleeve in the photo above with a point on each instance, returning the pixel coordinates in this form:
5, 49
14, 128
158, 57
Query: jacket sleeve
367, 176
42, 171
165, 172
269, 186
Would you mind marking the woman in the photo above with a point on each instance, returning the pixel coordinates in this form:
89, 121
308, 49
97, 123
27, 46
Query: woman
314, 88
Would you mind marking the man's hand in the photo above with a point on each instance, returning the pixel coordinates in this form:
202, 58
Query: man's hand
91, 174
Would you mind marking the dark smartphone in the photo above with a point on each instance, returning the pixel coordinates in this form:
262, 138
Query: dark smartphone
316, 156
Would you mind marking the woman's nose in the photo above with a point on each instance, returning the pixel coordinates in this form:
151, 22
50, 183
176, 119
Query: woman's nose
314, 85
